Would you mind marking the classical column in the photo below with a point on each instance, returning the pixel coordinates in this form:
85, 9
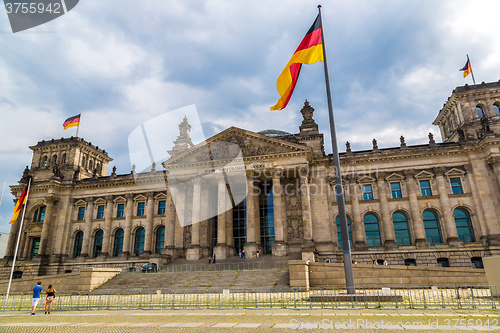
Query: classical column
11, 241
483, 227
449, 221
330, 194
129, 211
279, 247
418, 223
357, 225
42, 252
26, 246
253, 217
222, 197
193, 252
305, 198
390, 237
494, 162
229, 232
87, 229
170, 224
148, 236
58, 228
108, 215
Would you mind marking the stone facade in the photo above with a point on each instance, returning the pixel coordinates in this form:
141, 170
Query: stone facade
426, 205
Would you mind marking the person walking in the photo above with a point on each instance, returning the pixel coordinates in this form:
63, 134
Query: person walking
36, 296
51, 294
214, 258
209, 259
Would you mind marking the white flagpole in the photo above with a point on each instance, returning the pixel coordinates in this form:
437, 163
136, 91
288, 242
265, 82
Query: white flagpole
18, 238
1, 197
78, 127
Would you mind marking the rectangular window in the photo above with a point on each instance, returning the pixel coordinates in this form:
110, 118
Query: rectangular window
161, 207
367, 192
120, 210
35, 246
425, 187
456, 185
140, 209
81, 213
396, 190
100, 211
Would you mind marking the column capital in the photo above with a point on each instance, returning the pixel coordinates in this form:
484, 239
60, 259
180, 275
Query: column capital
252, 176
51, 200
129, 196
109, 198
303, 170
277, 172
149, 195
439, 171
493, 161
468, 168
380, 176
409, 173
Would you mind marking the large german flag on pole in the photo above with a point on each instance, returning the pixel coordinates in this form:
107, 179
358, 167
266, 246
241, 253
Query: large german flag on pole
71, 122
19, 204
309, 51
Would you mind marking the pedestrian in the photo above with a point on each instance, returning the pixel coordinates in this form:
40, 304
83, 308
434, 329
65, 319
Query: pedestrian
36, 296
214, 258
209, 259
243, 253
51, 294
327, 260
386, 262
258, 254
355, 262
239, 254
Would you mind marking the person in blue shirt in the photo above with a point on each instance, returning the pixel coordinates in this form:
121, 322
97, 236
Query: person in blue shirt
37, 290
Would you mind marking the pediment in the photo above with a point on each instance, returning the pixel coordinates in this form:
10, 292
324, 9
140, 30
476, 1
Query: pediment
34, 229
366, 179
119, 199
160, 196
233, 143
424, 174
140, 197
80, 202
394, 177
100, 201
454, 172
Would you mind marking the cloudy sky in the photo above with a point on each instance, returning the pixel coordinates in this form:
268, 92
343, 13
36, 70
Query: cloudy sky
120, 63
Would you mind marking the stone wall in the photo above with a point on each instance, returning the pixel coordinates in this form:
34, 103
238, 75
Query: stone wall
318, 275
492, 270
85, 280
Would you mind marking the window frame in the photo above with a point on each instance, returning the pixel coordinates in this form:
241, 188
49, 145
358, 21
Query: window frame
437, 227
120, 210
141, 208
454, 187
100, 212
162, 207
427, 191
372, 241
80, 213
397, 191
407, 229
367, 195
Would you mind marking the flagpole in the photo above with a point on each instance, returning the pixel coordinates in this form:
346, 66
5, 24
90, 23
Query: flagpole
3, 188
78, 127
339, 189
18, 238
471, 72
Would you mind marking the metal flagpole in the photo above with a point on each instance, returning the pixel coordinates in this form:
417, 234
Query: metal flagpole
471, 73
339, 190
3, 188
78, 127
18, 238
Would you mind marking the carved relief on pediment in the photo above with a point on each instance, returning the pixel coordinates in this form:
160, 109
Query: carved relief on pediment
33, 229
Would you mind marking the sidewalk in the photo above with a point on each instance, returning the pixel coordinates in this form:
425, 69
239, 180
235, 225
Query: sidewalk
278, 320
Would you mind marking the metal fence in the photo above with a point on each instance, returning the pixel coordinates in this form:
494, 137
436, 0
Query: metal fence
225, 266
470, 298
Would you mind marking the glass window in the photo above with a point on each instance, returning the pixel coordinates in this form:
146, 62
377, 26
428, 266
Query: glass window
44, 161
410, 262
425, 187
140, 208
39, 215
348, 229
443, 262
118, 243
77, 248
97, 243
161, 207
396, 190
401, 229
367, 192
479, 110
239, 216
266, 210
139, 241
120, 210
464, 225
456, 185
496, 107
100, 211
35, 246
160, 239
81, 213
54, 160
432, 227
477, 262
372, 230
63, 159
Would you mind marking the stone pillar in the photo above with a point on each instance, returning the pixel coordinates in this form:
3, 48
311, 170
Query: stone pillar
129, 211
279, 247
253, 217
305, 197
449, 221
11, 241
483, 227
108, 215
229, 232
418, 223
330, 194
170, 225
193, 252
148, 236
26, 246
42, 252
494, 162
220, 249
357, 226
390, 237
87, 229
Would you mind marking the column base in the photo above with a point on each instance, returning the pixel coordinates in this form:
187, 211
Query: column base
454, 241
169, 251
422, 243
493, 240
360, 246
279, 249
390, 244
308, 255
325, 247
193, 254
251, 250
220, 251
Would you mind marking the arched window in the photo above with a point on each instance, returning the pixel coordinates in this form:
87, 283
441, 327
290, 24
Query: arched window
372, 230
118, 243
432, 227
139, 241
39, 215
91, 165
54, 159
97, 244
77, 248
63, 159
160, 239
44, 160
98, 168
464, 225
496, 107
348, 229
401, 229
84, 162
479, 110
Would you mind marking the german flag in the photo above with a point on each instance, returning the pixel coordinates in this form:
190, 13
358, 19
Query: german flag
19, 204
71, 122
467, 68
310, 51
